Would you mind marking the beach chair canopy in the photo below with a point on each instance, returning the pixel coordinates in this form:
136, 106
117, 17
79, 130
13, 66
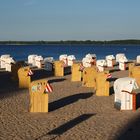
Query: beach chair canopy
121, 58
110, 57
90, 56
5, 56
31, 59
10, 60
86, 62
63, 57
38, 58
71, 57
101, 62
125, 84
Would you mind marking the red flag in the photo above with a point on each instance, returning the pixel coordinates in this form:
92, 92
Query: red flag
109, 75
30, 72
48, 88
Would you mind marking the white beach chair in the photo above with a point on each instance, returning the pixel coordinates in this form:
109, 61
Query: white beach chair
71, 59
109, 60
64, 58
101, 64
31, 59
124, 96
39, 62
8, 63
3, 60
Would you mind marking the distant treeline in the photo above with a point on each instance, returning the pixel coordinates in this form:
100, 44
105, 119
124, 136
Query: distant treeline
130, 41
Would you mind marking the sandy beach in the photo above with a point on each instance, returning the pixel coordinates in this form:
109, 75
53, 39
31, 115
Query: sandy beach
75, 113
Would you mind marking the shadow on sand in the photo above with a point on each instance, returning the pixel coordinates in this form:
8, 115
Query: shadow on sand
67, 126
132, 130
112, 79
68, 100
111, 90
8, 87
56, 80
6, 81
70, 124
113, 70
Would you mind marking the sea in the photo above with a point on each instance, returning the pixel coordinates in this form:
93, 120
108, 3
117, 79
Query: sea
21, 52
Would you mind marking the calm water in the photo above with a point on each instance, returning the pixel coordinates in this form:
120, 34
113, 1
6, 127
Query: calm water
22, 52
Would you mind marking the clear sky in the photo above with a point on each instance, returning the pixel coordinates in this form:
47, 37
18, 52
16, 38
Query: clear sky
69, 19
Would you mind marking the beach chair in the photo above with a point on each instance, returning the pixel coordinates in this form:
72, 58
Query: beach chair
61, 69
38, 96
71, 60
122, 60
76, 72
31, 59
8, 64
101, 64
102, 85
3, 60
39, 61
24, 77
89, 60
89, 76
64, 58
125, 90
110, 60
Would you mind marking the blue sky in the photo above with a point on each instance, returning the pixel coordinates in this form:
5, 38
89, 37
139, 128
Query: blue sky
69, 19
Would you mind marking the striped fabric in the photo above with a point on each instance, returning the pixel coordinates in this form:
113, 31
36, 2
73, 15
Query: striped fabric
30, 72
48, 88
109, 76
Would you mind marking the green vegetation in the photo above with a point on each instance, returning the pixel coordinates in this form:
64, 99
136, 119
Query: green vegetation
130, 41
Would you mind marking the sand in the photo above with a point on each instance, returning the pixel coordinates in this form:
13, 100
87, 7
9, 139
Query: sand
75, 113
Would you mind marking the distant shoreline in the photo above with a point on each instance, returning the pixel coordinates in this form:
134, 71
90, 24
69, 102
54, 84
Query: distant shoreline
73, 42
